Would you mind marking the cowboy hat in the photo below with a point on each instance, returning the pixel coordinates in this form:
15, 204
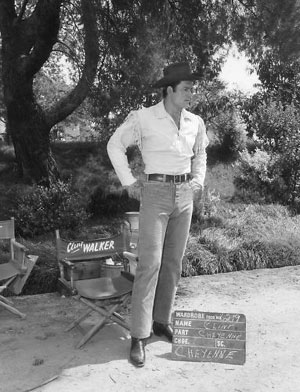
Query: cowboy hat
176, 72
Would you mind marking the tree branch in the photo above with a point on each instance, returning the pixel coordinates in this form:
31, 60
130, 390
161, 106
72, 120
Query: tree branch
69, 103
41, 31
23, 8
69, 52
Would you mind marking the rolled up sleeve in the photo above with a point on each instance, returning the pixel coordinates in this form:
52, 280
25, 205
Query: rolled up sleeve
123, 137
200, 157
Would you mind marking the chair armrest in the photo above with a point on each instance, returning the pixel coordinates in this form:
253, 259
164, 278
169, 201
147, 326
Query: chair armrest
18, 254
68, 263
133, 261
72, 266
19, 246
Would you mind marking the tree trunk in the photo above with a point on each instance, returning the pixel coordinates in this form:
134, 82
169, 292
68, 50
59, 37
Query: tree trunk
27, 43
31, 139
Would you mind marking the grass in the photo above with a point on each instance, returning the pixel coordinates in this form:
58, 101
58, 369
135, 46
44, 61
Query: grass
247, 237
225, 235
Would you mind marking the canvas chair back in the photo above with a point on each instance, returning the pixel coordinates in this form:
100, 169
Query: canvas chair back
7, 229
89, 249
84, 259
14, 272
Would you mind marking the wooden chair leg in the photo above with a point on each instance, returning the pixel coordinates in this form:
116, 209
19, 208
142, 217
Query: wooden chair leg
78, 321
3, 299
120, 321
91, 333
107, 313
12, 309
97, 326
90, 304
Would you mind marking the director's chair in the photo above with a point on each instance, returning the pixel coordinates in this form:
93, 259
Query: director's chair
105, 295
84, 259
15, 272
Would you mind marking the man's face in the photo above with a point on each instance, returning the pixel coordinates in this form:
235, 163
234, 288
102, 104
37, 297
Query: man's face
182, 95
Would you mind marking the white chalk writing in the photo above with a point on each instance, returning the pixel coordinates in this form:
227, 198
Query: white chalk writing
90, 247
200, 353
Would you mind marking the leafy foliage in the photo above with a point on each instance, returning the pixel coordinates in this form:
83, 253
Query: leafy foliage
42, 210
273, 171
259, 25
229, 132
210, 98
255, 179
140, 38
273, 122
280, 78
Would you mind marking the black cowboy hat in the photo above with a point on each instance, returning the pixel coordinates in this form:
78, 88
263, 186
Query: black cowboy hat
177, 72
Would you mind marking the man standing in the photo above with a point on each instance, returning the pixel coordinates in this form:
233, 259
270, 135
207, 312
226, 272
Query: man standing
173, 145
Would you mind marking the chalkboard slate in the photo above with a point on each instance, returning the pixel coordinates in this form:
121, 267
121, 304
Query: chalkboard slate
209, 337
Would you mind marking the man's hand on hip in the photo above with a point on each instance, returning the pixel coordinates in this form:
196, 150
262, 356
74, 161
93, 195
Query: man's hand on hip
197, 194
134, 189
197, 191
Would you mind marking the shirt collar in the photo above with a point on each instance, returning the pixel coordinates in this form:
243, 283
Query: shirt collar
161, 112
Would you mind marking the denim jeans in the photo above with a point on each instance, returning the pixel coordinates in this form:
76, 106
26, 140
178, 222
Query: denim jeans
164, 223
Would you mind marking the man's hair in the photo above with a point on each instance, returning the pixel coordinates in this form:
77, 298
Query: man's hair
173, 85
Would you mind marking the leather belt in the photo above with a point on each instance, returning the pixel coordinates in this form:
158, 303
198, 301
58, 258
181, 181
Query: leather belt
176, 179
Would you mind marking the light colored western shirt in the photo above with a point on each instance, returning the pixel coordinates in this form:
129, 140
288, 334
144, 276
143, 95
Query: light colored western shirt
165, 148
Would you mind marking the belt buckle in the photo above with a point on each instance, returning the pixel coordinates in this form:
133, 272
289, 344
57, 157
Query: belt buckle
177, 179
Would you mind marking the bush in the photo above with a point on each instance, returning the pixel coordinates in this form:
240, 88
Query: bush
89, 177
273, 121
230, 135
277, 127
256, 179
270, 177
42, 210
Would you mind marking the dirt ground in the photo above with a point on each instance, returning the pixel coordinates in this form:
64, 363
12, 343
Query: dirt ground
37, 355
